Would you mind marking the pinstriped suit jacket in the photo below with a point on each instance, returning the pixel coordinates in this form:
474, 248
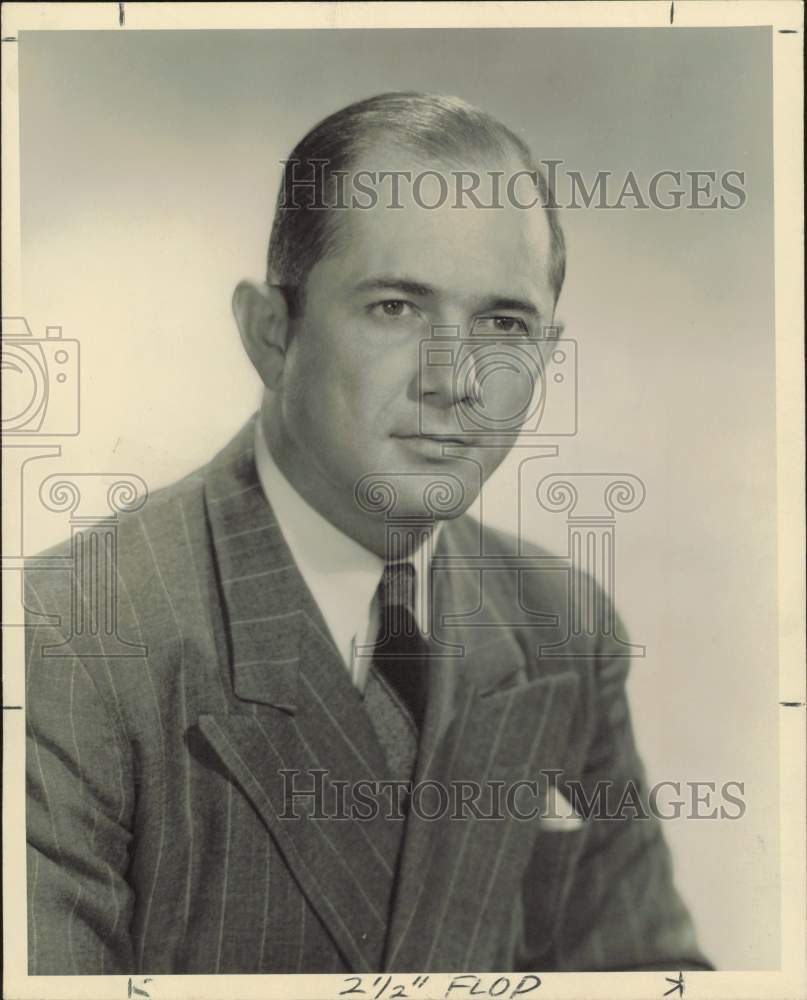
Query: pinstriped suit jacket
155, 829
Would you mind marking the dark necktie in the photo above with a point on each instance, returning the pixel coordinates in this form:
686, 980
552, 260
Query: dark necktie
401, 653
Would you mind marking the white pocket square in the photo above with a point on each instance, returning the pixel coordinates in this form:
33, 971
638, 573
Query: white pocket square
557, 814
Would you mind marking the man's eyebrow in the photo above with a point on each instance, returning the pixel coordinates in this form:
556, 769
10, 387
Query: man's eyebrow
514, 305
391, 283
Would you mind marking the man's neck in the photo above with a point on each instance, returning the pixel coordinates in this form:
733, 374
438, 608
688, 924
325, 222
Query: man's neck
368, 530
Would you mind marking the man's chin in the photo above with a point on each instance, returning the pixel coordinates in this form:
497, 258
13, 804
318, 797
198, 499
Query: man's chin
428, 494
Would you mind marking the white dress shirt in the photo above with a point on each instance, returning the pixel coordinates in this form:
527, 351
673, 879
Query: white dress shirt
341, 574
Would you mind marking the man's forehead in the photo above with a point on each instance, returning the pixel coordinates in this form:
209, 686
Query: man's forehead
423, 217
401, 175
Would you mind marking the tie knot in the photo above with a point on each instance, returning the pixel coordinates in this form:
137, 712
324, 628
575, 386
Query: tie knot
397, 587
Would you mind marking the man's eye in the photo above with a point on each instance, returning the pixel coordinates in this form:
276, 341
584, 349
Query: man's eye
394, 308
500, 324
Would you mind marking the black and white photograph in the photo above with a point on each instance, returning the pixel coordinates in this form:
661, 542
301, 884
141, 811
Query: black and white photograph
403, 543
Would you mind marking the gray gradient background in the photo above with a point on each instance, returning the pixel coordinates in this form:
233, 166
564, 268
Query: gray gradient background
149, 165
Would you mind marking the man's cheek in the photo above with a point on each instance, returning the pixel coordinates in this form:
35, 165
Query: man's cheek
359, 399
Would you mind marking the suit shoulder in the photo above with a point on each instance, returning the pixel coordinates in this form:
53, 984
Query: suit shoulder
504, 542
540, 579
126, 593
162, 537
474, 538
147, 510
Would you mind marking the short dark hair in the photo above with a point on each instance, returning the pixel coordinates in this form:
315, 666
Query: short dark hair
440, 127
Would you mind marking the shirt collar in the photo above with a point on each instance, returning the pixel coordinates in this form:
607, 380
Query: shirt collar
341, 574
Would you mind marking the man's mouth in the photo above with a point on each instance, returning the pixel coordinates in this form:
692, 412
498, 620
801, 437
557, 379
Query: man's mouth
434, 440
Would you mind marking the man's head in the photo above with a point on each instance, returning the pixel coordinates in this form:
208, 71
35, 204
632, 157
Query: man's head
442, 130
378, 243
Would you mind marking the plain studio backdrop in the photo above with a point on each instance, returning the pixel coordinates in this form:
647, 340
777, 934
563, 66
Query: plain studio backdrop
149, 167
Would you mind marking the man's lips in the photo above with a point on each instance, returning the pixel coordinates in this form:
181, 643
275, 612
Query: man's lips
464, 442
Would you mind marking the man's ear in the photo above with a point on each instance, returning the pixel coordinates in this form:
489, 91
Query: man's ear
262, 316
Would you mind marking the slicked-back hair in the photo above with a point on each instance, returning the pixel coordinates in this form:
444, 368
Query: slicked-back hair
438, 128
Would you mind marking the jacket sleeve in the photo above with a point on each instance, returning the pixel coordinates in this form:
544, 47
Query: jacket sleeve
618, 908
79, 809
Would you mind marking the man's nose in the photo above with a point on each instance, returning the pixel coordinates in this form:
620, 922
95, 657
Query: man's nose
448, 372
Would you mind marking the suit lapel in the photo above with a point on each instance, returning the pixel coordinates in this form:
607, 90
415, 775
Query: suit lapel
291, 707
293, 713
488, 720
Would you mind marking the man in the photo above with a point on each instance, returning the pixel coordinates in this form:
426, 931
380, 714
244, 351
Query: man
322, 618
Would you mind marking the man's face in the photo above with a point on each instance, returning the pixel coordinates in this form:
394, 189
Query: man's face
356, 397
